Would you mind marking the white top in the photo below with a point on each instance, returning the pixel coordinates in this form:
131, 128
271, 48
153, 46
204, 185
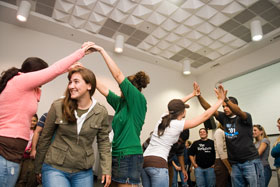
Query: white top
160, 146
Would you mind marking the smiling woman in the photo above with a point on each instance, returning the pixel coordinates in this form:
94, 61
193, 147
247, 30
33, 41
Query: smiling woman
76, 119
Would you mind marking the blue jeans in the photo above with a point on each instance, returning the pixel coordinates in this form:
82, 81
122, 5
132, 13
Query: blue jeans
267, 174
248, 173
154, 177
54, 177
9, 172
205, 177
175, 178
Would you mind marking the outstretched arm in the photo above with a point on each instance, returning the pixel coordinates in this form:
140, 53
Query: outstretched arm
201, 100
191, 95
114, 69
221, 94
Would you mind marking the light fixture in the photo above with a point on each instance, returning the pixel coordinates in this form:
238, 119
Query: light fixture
186, 67
119, 44
23, 10
256, 30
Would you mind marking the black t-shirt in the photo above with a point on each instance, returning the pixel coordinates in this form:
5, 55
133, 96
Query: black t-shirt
176, 149
204, 152
239, 138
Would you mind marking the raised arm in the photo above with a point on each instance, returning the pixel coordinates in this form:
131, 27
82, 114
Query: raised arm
235, 109
191, 95
221, 94
201, 100
114, 69
102, 88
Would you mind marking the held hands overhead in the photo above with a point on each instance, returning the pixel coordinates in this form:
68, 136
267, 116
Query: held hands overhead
220, 92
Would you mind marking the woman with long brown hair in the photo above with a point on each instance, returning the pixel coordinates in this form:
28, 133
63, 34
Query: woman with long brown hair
75, 120
19, 96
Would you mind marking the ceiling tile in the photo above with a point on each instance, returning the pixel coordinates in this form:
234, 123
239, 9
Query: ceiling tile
182, 30
219, 19
139, 35
185, 53
107, 32
225, 49
145, 46
175, 48
166, 8
133, 21
214, 55
184, 42
230, 25
163, 45
239, 31
195, 56
49, 3
203, 60
133, 41
96, 18
267, 28
237, 43
180, 15
151, 40
194, 35
217, 33
216, 45
92, 27
205, 40
102, 8
196, 64
271, 14
166, 54
125, 6
111, 24
60, 16
141, 12
81, 12
194, 47
176, 57
118, 16
244, 16
260, 6
192, 5
193, 21
206, 12
159, 33
126, 29
246, 37
171, 37
233, 9
151, 4
147, 27
76, 22
156, 18
276, 22
169, 25
205, 28
44, 9
64, 6
247, 3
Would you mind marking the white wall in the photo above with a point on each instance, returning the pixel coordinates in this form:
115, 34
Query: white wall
246, 63
18, 43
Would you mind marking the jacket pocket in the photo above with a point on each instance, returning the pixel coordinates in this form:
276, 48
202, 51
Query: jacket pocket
89, 157
57, 154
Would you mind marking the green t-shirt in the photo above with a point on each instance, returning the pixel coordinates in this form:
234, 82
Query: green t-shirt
130, 112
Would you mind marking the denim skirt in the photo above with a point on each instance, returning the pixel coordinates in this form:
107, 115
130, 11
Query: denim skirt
127, 169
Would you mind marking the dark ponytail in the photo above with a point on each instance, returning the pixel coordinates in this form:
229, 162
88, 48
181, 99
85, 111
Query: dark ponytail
29, 65
6, 76
165, 122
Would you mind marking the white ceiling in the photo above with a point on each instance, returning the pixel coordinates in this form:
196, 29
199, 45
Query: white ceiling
164, 32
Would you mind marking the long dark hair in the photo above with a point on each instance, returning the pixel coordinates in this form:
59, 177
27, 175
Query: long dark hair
70, 105
139, 80
29, 65
165, 122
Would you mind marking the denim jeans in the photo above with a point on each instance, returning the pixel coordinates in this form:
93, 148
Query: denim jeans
248, 173
9, 172
267, 174
154, 177
205, 177
54, 177
175, 178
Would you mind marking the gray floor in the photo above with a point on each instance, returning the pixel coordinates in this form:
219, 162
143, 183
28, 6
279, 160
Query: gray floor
273, 180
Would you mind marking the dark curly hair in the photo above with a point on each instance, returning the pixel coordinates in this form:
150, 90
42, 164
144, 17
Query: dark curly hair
139, 80
29, 65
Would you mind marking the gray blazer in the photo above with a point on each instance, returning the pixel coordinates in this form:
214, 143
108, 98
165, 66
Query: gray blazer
69, 151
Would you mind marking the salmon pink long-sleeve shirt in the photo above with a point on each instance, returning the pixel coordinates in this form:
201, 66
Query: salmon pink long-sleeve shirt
19, 100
